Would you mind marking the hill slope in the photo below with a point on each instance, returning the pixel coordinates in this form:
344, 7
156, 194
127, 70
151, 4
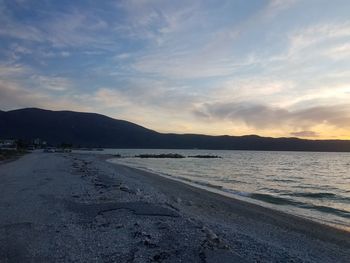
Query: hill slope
95, 130
86, 129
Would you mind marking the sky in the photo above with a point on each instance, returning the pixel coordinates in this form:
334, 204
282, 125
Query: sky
278, 68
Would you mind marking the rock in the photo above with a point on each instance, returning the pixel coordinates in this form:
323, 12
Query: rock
210, 234
162, 225
126, 189
147, 242
100, 185
141, 234
159, 257
189, 203
212, 240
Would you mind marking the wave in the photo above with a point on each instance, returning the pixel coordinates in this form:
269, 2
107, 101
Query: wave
330, 210
315, 195
321, 195
317, 187
282, 180
274, 199
224, 180
286, 201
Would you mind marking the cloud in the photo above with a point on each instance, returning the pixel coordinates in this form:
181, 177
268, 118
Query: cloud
21, 32
69, 28
265, 117
182, 66
182, 40
65, 54
256, 89
77, 29
154, 20
12, 70
305, 134
340, 52
150, 94
53, 54
321, 38
52, 83
275, 7
258, 116
122, 56
14, 95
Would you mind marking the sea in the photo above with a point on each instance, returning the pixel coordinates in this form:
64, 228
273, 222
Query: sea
314, 185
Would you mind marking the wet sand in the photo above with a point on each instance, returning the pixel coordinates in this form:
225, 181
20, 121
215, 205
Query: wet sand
80, 208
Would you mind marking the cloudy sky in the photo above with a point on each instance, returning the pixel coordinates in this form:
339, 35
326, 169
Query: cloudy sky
267, 67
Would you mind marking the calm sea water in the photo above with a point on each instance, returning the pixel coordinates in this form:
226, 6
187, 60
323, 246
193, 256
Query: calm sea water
313, 185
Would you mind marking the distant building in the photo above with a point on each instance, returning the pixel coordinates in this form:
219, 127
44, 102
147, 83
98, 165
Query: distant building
8, 144
39, 143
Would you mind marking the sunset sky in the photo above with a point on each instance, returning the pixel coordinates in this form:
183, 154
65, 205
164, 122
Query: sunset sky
267, 67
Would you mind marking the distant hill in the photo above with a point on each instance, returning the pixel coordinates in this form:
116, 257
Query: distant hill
95, 130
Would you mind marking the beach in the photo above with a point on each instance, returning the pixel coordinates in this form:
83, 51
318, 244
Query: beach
66, 207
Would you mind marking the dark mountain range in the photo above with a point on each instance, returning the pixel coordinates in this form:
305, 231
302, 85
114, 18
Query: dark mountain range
95, 130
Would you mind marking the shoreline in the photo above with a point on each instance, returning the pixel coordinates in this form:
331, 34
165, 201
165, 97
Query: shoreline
227, 198
235, 197
80, 208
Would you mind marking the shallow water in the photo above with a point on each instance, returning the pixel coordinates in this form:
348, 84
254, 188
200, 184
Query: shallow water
313, 185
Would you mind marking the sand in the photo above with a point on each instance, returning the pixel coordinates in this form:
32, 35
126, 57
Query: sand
79, 208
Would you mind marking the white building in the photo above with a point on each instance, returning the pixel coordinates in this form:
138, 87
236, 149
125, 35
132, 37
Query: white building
8, 145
